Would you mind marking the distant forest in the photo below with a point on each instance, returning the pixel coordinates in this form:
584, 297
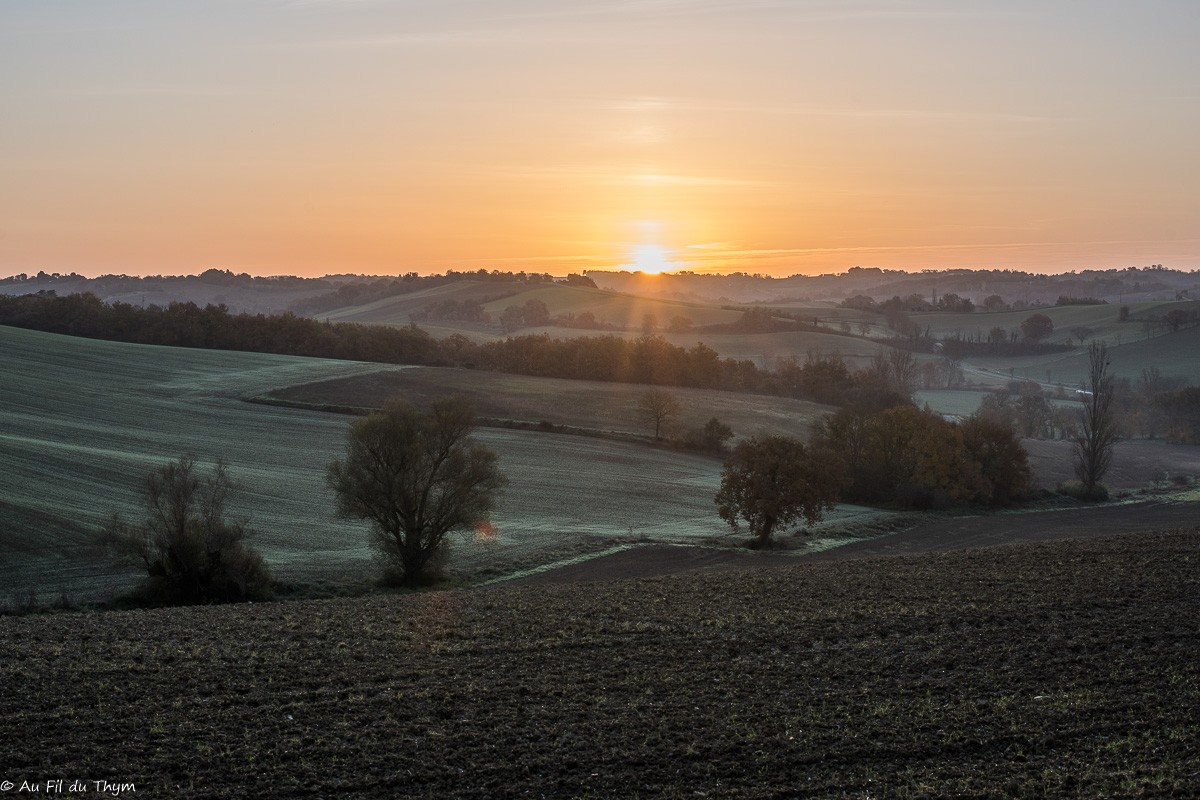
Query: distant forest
1131, 284
314, 296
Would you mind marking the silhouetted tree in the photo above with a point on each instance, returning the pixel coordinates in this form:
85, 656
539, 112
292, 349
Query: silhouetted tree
716, 433
191, 552
1037, 327
416, 477
658, 408
769, 482
1098, 427
1002, 461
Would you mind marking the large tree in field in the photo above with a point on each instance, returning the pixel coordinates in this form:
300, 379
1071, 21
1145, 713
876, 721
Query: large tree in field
1098, 427
770, 482
416, 477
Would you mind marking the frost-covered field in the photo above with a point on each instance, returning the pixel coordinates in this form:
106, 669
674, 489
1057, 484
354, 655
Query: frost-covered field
81, 421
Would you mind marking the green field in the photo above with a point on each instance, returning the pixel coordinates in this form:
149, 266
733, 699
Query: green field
1102, 319
589, 405
84, 420
619, 310
1174, 354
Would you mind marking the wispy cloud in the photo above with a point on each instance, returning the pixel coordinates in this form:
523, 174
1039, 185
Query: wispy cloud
608, 176
684, 105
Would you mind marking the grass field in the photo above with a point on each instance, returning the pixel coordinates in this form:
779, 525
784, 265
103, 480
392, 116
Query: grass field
85, 420
601, 407
1102, 319
1066, 669
1175, 354
621, 310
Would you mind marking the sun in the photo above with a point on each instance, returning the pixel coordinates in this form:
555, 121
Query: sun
651, 258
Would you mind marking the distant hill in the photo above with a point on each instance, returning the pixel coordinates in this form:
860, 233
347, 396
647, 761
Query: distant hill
1128, 285
611, 310
239, 293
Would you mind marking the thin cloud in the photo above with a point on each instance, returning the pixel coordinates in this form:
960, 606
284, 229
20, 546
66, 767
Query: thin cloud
624, 177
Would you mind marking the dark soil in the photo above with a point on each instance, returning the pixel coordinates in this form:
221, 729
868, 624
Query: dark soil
1062, 669
927, 534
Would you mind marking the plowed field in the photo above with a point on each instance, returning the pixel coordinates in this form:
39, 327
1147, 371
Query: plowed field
1063, 669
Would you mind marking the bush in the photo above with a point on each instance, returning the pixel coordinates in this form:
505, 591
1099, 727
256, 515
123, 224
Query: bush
191, 552
1079, 491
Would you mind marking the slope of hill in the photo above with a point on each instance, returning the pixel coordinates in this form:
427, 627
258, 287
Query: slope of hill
85, 420
1049, 670
588, 405
1174, 354
1102, 321
617, 310
1115, 285
256, 295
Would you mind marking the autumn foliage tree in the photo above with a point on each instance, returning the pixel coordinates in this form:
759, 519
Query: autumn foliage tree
910, 457
416, 477
1003, 462
769, 482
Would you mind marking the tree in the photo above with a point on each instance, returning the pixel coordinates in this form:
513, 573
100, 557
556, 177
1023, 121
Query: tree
994, 302
1098, 427
535, 313
1176, 318
416, 477
190, 551
1082, 333
512, 318
716, 433
771, 481
575, 279
659, 408
1002, 460
1037, 327
679, 324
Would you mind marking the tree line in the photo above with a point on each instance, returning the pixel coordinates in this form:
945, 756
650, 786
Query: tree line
646, 359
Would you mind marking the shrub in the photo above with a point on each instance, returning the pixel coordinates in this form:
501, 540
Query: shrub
191, 552
1078, 490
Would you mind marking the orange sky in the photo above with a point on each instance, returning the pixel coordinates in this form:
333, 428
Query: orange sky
317, 136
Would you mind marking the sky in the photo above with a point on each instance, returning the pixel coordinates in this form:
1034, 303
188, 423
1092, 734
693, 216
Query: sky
310, 137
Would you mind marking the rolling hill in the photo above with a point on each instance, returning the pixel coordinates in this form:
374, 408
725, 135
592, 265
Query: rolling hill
618, 310
85, 420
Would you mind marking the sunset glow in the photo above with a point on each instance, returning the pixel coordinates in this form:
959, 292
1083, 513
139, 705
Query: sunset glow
651, 259
318, 136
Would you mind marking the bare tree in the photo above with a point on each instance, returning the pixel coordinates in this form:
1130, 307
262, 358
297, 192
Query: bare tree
1098, 429
658, 408
416, 477
896, 369
191, 551
1082, 333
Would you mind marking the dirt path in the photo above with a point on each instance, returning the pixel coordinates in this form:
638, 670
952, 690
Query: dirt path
940, 535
